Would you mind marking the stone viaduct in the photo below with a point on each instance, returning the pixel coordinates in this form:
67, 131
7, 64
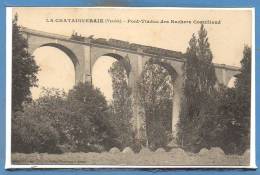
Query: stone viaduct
84, 52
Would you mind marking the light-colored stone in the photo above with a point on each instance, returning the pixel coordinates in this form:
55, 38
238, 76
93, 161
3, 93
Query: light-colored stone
216, 151
114, 150
160, 150
204, 151
128, 150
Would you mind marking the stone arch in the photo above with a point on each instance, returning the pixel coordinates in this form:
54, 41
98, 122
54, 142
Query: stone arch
174, 76
225, 73
106, 58
123, 60
72, 56
52, 61
231, 82
173, 73
66, 50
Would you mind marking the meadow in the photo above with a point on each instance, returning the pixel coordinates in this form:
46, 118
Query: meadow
174, 157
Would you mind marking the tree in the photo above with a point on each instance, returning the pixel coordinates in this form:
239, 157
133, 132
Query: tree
206, 74
243, 90
24, 69
198, 93
155, 93
59, 122
40, 127
33, 134
122, 105
234, 109
89, 124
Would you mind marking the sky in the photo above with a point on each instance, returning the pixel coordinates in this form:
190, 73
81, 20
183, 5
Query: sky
51, 77
60, 79
101, 78
226, 39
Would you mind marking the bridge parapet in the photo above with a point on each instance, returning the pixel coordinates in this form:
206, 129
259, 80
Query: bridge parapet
113, 43
44, 34
227, 67
134, 47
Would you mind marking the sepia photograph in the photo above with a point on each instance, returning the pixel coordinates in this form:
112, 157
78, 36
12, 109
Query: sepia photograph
130, 87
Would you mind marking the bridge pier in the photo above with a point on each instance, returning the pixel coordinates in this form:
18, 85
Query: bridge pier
176, 104
87, 67
137, 63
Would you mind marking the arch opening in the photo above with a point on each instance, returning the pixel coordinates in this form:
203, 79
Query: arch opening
67, 51
57, 71
156, 96
124, 61
111, 77
231, 82
101, 73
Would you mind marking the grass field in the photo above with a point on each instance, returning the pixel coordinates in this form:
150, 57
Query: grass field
173, 158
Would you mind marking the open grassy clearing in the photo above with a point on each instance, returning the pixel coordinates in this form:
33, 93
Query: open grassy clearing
173, 158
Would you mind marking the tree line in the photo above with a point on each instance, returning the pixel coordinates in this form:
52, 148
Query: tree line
81, 120
214, 115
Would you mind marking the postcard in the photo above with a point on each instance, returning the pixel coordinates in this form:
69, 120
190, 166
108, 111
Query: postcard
117, 87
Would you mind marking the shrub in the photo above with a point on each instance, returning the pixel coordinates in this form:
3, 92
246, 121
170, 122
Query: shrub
88, 123
57, 122
31, 133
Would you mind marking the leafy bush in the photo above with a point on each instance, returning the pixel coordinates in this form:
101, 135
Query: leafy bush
89, 123
57, 122
33, 133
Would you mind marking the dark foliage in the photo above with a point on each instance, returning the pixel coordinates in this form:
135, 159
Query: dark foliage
213, 117
89, 125
39, 128
121, 105
155, 93
198, 101
234, 108
57, 122
24, 69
